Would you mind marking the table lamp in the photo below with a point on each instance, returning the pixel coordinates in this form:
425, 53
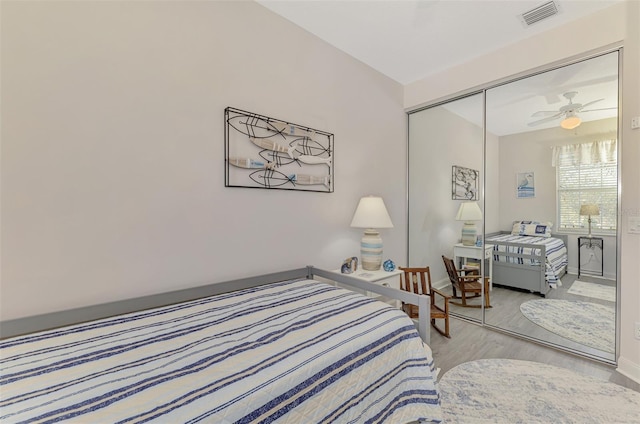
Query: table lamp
589, 210
469, 212
371, 214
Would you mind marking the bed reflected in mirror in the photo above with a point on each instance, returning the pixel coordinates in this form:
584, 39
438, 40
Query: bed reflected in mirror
556, 154
544, 152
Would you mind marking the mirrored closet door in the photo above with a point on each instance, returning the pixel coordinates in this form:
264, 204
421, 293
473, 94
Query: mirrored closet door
445, 164
546, 148
556, 135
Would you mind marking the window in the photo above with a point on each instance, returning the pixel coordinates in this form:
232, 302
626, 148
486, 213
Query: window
587, 174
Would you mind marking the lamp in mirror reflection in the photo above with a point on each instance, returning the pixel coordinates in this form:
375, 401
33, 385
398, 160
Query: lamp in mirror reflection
371, 214
588, 210
469, 212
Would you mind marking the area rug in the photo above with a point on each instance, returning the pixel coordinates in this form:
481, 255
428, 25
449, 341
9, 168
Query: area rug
597, 291
513, 391
586, 323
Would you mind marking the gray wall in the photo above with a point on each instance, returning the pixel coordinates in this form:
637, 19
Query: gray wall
438, 140
112, 149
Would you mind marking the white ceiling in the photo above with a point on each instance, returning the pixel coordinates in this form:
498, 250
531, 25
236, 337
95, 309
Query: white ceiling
408, 40
518, 106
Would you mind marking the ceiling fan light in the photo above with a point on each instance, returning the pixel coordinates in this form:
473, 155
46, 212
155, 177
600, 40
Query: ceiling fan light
570, 122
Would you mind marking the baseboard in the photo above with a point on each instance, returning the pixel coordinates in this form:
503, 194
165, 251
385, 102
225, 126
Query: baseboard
629, 369
441, 284
606, 276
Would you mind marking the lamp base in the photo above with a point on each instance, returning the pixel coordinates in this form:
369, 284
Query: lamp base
371, 250
469, 234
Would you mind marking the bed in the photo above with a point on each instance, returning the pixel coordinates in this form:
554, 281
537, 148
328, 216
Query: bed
528, 257
278, 348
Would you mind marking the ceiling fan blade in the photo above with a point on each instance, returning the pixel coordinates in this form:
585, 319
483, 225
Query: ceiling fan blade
543, 120
541, 113
590, 103
596, 110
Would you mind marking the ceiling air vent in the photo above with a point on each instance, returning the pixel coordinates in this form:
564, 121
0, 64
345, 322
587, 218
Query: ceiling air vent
541, 12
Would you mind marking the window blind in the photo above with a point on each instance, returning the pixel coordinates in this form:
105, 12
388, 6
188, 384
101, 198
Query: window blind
587, 174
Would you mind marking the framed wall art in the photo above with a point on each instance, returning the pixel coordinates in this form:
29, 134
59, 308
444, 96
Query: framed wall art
525, 185
465, 183
264, 152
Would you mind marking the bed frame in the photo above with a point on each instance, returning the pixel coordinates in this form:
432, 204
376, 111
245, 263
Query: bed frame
32, 324
521, 276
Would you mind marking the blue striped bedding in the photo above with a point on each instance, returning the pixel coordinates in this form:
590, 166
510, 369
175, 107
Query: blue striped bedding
289, 352
556, 254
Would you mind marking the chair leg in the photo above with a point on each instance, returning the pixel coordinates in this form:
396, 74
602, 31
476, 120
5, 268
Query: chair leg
463, 298
487, 300
446, 328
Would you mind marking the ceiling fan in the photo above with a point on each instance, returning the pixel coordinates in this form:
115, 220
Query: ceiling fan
568, 112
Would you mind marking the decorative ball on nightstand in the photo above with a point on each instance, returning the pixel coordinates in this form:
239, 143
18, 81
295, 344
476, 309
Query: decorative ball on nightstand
388, 265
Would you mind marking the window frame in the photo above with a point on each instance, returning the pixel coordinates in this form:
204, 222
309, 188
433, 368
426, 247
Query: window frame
607, 209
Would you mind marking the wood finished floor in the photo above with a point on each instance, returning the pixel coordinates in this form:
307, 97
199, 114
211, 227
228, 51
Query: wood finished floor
470, 341
505, 313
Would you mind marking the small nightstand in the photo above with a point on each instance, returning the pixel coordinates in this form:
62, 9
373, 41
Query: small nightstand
462, 252
591, 243
382, 277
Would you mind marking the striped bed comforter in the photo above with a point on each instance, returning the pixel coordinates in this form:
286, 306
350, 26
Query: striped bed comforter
556, 254
290, 352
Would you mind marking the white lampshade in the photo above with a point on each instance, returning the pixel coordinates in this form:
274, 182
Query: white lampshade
469, 212
370, 214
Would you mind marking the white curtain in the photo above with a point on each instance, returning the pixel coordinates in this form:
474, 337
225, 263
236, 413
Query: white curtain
604, 151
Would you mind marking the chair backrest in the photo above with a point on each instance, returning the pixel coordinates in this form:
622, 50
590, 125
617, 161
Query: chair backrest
451, 270
416, 280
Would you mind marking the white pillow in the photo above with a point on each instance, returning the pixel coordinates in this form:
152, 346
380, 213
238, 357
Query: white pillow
531, 228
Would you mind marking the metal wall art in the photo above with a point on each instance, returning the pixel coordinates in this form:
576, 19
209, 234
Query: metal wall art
263, 152
465, 183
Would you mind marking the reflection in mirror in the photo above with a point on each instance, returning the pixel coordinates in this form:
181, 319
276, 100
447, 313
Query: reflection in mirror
445, 173
547, 187
552, 166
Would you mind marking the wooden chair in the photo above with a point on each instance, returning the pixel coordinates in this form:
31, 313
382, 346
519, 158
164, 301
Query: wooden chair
468, 283
418, 280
